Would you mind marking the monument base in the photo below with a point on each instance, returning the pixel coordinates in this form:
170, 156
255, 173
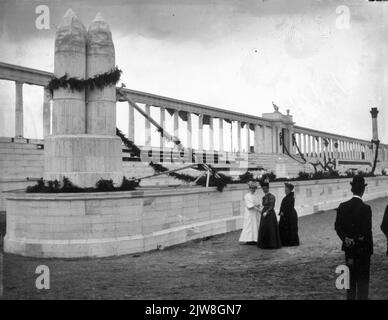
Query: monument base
83, 158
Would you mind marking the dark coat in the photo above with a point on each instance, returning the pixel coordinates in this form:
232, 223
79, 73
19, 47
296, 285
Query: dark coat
288, 223
354, 220
384, 224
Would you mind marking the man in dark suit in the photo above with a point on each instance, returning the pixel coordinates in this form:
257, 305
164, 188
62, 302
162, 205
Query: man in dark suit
354, 227
384, 225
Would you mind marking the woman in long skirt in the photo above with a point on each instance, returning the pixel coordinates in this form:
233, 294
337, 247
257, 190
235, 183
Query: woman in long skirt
249, 233
288, 223
269, 237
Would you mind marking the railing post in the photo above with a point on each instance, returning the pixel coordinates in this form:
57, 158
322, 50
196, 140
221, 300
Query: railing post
46, 112
19, 132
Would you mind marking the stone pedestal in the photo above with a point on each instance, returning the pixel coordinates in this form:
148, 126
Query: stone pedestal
84, 159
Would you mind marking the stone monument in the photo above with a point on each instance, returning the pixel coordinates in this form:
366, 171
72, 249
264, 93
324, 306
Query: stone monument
83, 145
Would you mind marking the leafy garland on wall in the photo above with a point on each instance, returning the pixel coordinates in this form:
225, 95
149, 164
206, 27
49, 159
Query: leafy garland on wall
99, 81
66, 186
220, 182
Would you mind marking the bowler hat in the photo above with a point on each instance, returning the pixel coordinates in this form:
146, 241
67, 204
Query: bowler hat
289, 186
358, 181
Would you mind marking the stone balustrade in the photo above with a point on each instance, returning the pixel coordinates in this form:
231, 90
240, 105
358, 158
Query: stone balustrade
273, 133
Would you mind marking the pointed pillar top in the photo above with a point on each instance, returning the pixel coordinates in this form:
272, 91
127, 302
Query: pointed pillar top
98, 17
70, 14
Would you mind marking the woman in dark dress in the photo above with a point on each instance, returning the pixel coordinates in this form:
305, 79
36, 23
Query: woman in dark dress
269, 237
384, 225
288, 223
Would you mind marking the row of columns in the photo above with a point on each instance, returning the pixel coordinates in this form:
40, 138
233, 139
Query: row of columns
19, 110
266, 138
314, 146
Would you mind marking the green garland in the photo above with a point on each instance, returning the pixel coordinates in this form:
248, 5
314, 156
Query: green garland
99, 81
220, 182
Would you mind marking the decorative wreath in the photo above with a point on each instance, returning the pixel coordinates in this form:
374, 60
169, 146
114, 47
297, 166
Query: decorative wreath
98, 81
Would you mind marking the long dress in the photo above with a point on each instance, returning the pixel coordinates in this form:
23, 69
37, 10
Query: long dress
288, 223
249, 232
269, 237
384, 225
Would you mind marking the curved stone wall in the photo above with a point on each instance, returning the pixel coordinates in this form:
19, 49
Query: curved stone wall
117, 223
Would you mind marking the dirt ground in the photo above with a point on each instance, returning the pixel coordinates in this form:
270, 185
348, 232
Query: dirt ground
213, 268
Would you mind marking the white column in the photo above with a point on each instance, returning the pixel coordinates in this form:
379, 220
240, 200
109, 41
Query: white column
189, 130
200, 132
274, 140
46, 112
176, 124
307, 145
131, 123
239, 146
248, 138
305, 149
259, 142
147, 126
162, 124
19, 109
211, 134
299, 141
221, 133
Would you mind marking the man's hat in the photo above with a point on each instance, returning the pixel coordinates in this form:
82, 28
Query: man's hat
358, 181
289, 186
264, 183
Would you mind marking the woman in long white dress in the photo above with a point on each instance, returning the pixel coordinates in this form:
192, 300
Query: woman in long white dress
250, 231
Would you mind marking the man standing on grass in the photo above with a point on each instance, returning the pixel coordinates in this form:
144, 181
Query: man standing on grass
384, 225
354, 227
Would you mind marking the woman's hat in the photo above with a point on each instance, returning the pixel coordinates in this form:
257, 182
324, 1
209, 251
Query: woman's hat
289, 186
252, 184
358, 181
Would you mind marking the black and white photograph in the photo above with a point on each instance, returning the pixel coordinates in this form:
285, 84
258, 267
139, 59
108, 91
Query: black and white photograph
205, 152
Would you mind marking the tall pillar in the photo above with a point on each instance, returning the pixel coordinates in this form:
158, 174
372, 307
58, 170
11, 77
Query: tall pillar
162, 124
200, 132
131, 123
375, 134
19, 109
221, 133
299, 140
189, 131
211, 134
176, 124
274, 139
248, 138
307, 144
278, 146
83, 145
46, 112
259, 143
238, 136
147, 126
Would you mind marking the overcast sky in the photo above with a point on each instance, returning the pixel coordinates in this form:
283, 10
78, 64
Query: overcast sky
236, 55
